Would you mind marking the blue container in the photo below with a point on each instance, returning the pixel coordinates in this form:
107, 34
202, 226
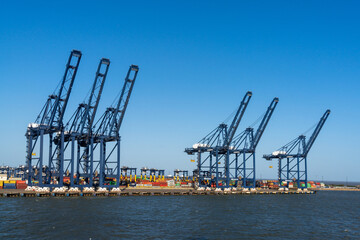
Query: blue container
9, 186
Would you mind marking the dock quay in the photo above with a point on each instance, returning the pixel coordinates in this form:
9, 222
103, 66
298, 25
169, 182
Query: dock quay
145, 192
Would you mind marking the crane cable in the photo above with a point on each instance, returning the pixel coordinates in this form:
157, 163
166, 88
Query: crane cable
258, 120
312, 127
230, 116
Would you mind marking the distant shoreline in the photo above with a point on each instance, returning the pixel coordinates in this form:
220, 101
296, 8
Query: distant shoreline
337, 189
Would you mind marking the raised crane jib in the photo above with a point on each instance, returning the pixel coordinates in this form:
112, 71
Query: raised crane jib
316, 132
123, 100
264, 122
238, 116
53, 112
94, 98
111, 120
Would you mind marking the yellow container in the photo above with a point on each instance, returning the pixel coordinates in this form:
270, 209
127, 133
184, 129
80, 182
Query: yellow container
1, 183
7, 181
12, 181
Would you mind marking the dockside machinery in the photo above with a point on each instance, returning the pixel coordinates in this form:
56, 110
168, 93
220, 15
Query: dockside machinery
48, 123
242, 155
292, 158
217, 145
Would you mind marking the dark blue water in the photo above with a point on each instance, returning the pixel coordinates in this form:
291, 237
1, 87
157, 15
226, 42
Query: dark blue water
325, 215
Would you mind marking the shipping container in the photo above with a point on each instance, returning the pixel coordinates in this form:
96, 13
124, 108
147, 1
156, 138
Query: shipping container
9, 186
21, 186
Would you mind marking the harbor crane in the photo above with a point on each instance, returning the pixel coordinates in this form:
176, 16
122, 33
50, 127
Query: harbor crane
79, 131
109, 131
49, 122
295, 156
242, 164
217, 144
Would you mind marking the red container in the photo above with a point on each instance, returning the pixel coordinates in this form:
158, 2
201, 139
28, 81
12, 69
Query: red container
20, 182
21, 185
1, 187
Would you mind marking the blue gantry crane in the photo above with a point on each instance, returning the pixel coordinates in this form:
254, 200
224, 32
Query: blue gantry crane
49, 122
108, 131
217, 144
242, 163
79, 131
295, 155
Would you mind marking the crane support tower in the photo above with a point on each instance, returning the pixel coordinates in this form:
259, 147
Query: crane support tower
49, 122
292, 158
217, 145
242, 163
108, 131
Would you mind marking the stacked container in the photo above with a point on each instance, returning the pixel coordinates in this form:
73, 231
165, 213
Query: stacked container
9, 184
21, 185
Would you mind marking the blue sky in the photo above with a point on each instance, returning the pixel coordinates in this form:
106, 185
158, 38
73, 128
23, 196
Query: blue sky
197, 60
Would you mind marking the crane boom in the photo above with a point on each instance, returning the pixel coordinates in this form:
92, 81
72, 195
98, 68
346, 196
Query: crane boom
53, 111
123, 101
264, 122
238, 116
111, 120
94, 98
316, 132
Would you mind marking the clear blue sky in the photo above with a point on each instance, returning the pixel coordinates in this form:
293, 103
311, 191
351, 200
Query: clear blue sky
197, 59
